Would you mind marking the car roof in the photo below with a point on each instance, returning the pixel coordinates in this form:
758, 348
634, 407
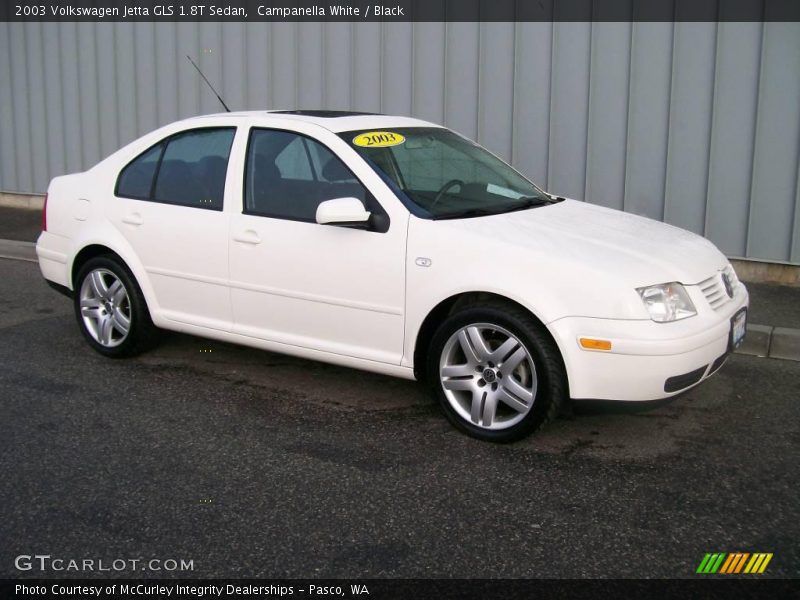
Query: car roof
334, 120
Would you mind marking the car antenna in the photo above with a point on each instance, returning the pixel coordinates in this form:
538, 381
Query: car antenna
209, 84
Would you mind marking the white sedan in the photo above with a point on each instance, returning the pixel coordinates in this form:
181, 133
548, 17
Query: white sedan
392, 245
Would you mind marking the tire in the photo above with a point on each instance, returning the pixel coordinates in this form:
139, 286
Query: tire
111, 310
496, 371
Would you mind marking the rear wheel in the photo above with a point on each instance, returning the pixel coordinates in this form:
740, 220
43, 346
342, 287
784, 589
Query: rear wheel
496, 372
110, 308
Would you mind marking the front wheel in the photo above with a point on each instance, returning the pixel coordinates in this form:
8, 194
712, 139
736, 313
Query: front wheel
110, 308
496, 372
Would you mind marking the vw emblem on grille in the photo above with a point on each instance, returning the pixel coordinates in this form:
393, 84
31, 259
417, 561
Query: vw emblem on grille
726, 281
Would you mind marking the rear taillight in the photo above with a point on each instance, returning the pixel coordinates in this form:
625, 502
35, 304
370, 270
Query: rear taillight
44, 214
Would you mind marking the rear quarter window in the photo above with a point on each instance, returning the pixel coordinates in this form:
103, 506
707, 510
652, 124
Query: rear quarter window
187, 169
136, 179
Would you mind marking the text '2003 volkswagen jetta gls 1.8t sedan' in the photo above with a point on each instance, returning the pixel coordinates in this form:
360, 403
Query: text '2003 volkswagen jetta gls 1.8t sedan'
392, 245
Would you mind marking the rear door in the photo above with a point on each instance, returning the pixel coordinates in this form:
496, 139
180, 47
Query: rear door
168, 205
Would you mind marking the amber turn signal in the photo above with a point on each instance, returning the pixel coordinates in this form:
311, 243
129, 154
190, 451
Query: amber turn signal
593, 344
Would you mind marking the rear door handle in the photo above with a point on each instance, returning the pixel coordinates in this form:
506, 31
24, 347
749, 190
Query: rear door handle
133, 219
248, 237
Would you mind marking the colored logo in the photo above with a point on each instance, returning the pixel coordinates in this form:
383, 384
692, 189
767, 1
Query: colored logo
733, 563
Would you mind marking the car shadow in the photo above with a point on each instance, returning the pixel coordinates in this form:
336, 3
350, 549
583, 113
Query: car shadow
605, 431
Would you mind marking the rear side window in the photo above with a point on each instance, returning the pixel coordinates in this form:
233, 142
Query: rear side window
190, 169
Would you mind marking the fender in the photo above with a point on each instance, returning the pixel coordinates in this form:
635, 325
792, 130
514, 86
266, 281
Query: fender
416, 317
104, 234
413, 329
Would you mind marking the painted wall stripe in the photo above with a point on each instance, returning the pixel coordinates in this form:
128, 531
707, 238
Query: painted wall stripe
740, 564
718, 562
732, 563
764, 564
727, 564
703, 563
753, 560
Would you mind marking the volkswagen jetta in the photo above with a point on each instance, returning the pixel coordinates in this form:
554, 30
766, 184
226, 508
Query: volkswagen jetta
392, 245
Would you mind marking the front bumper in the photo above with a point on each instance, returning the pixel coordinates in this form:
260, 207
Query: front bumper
648, 360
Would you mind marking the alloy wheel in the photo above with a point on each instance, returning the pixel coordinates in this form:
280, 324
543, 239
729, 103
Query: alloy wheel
488, 376
105, 308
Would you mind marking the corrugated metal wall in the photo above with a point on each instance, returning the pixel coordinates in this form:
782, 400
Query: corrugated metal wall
697, 124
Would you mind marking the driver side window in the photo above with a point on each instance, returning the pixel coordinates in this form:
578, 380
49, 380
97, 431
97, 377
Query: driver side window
288, 175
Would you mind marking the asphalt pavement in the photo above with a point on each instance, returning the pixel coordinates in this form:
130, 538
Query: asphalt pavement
20, 224
255, 464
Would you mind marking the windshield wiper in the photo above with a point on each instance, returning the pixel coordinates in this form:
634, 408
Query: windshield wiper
526, 202
469, 212
522, 204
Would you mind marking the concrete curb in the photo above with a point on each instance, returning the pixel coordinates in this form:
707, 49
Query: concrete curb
16, 250
28, 201
757, 341
785, 343
766, 341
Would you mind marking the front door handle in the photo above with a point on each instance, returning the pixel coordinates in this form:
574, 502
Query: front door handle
248, 237
133, 219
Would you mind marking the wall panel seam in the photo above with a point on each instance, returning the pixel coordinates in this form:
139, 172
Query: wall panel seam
753, 156
553, 66
626, 174
25, 73
667, 157
712, 130
588, 113
794, 243
514, 60
479, 104
12, 104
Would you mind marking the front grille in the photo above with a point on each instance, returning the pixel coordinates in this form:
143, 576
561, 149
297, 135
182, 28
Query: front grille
714, 289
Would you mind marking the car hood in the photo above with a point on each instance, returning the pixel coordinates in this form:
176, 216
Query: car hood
636, 250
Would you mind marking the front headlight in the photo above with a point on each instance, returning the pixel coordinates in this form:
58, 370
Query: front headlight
667, 302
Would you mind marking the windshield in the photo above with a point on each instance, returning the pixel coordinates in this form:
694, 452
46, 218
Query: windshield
443, 174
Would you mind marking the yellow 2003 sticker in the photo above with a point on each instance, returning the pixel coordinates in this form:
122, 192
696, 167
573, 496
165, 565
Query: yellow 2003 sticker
378, 139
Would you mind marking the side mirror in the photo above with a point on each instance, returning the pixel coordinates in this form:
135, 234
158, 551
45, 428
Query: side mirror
342, 211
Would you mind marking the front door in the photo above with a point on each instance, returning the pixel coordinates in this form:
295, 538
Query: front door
335, 289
